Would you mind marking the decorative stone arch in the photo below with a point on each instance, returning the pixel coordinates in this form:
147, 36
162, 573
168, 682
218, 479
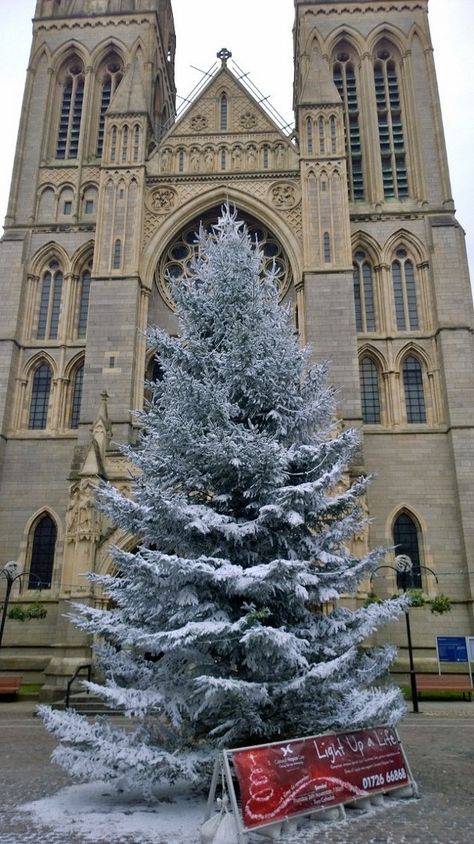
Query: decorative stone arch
89, 192
46, 253
138, 50
416, 32
26, 545
66, 52
198, 206
404, 507
46, 203
367, 350
415, 349
66, 193
82, 256
313, 40
117, 539
392, 35
34, 361
104, 48
345, 34
179, 251
400, 238
367, 242
43, 52
74, 363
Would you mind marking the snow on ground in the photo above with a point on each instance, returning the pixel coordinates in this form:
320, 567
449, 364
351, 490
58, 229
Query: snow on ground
97, 812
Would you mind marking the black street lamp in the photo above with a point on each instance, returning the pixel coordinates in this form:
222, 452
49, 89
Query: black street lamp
404, 568
12, 572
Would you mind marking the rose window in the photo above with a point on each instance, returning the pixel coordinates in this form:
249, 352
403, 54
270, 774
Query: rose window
175, 263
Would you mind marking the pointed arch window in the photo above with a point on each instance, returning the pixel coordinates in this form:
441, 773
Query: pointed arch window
125, 143
224, 112
414, 391
322, 147
117, 255
404, 292
309, 135
405, 540
364, 300
333, 131
76, 395
110, 79
136, 142
40, 392
50, 302
113, 143
369, 391
70, 117
43, 546
390, 123
346, 83
327, 247
84, 295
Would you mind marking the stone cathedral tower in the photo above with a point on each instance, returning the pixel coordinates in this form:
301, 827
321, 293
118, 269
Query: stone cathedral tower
355, 206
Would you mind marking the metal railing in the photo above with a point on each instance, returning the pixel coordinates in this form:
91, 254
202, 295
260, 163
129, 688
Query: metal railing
87, 667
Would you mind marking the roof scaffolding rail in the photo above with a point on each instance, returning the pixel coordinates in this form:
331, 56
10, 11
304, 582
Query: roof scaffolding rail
264, 101
244, 78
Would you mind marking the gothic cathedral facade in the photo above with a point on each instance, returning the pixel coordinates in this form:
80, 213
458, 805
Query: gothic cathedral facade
355, 207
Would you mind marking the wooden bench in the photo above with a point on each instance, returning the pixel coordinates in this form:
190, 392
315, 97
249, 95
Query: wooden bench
9, 685
444, 683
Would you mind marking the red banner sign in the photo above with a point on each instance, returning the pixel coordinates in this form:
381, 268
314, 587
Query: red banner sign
292, 778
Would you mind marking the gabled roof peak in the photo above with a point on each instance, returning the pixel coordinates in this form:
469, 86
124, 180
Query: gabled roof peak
237, 76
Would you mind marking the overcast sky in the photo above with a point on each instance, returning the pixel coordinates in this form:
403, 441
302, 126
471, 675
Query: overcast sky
259, 34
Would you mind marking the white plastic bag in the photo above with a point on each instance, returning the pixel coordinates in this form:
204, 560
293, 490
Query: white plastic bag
227, 830
209, 829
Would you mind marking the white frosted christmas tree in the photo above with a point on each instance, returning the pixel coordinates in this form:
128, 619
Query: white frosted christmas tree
220, 633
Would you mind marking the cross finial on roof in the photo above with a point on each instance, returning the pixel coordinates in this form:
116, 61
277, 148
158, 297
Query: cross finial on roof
224, 55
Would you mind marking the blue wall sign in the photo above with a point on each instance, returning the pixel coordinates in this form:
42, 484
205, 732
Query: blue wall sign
451, 648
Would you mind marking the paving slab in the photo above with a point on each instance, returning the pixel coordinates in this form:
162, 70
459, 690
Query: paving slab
438, 741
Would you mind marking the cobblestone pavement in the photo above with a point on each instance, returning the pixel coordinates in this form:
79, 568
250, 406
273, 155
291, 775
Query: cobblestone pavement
439, 744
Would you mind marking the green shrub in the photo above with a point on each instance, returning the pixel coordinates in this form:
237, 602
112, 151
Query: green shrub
21, 613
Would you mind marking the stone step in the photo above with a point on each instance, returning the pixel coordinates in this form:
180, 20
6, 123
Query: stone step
86, 705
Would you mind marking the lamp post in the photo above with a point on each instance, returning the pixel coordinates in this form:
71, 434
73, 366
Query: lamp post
404, 566
12, 572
